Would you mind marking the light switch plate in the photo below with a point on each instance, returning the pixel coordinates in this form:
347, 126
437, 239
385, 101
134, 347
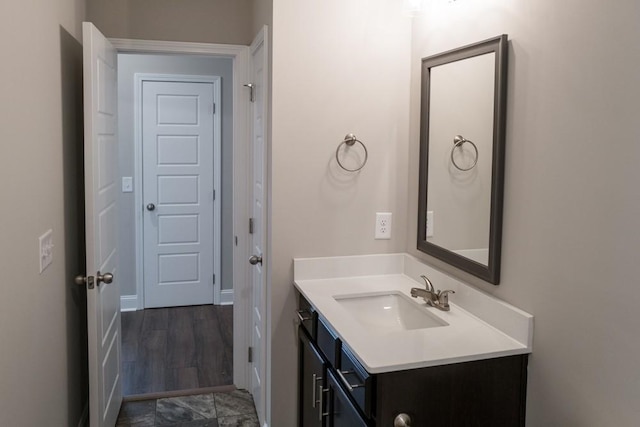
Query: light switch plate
127, 184
46, 250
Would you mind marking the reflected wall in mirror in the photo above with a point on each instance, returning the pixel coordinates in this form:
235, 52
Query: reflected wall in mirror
462, 127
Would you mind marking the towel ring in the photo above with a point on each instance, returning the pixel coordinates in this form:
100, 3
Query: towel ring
350, 139
458, 140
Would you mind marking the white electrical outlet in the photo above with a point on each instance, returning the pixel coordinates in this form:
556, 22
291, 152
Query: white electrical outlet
383, 225
46, 250
429, 223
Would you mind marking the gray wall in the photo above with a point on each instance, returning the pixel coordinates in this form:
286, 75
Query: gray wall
128, 65
338, 67
210, 21
43, 362
570, 244
261, 14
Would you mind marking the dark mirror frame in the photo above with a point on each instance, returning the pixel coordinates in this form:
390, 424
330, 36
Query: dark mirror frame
499, 46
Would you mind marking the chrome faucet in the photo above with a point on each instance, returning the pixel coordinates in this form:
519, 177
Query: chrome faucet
438, 299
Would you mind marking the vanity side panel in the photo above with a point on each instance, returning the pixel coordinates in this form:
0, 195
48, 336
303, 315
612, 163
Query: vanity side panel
486, 393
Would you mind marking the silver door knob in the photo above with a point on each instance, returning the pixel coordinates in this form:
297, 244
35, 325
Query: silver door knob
255, 260
151, 207
106, 278
83, 280
402, 420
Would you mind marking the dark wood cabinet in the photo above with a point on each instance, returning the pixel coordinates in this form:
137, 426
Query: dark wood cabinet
323, 401
342, 413
336, 391
483, 393
312, 383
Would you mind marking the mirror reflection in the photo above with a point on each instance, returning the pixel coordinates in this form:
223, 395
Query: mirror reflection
459, 179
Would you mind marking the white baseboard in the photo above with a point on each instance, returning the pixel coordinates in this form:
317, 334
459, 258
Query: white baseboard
226, 297
128, 302
84, 418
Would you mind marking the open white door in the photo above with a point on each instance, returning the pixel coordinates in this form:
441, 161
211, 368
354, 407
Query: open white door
101, 163
259, 78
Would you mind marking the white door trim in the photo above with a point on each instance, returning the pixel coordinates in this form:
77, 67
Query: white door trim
138, 79
241, 131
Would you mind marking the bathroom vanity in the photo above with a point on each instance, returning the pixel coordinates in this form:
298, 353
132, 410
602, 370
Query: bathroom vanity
370, 355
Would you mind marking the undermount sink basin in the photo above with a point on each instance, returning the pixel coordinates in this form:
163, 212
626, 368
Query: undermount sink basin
392, 312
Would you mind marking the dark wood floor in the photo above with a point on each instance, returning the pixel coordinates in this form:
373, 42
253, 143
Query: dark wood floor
177, 348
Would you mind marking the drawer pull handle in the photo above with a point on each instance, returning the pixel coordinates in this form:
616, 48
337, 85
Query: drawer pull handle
301, 317
314, 378
321, 414
346, 383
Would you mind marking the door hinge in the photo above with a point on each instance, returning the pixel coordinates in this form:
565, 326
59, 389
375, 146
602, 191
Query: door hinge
250, 354
236, 238
214, 108
214, 279
250, 225
214, 195
251, 87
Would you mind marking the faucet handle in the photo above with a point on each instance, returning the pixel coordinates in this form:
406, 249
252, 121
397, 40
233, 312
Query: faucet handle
428, 283
443, 297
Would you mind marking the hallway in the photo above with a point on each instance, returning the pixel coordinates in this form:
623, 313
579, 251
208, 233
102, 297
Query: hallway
177, 348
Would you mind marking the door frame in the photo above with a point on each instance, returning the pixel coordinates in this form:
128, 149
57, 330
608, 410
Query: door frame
138, 80
241, 132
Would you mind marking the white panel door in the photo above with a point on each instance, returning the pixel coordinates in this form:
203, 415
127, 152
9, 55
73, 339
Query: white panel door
258, 238
178, 192
101, 163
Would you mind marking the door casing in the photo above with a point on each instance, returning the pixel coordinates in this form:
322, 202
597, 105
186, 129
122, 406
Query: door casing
241, 133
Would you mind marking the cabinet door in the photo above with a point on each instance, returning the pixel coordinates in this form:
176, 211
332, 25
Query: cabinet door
482, 393
342, 413
311, 380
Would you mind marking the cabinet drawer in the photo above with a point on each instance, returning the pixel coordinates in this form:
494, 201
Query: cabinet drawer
342, 413
357, 382
307, 316
328, 343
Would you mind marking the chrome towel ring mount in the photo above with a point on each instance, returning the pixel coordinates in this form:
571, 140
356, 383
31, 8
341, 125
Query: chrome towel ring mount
458, 142
349, 141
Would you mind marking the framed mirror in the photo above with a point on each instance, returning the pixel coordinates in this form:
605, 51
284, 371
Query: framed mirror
462, 140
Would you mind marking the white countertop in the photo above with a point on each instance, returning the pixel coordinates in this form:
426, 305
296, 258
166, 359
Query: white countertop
480, 326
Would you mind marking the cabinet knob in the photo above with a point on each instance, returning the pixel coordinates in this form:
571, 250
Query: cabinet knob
402, 420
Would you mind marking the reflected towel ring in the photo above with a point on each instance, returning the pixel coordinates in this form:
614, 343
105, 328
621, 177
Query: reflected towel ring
350, 139
458, 140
